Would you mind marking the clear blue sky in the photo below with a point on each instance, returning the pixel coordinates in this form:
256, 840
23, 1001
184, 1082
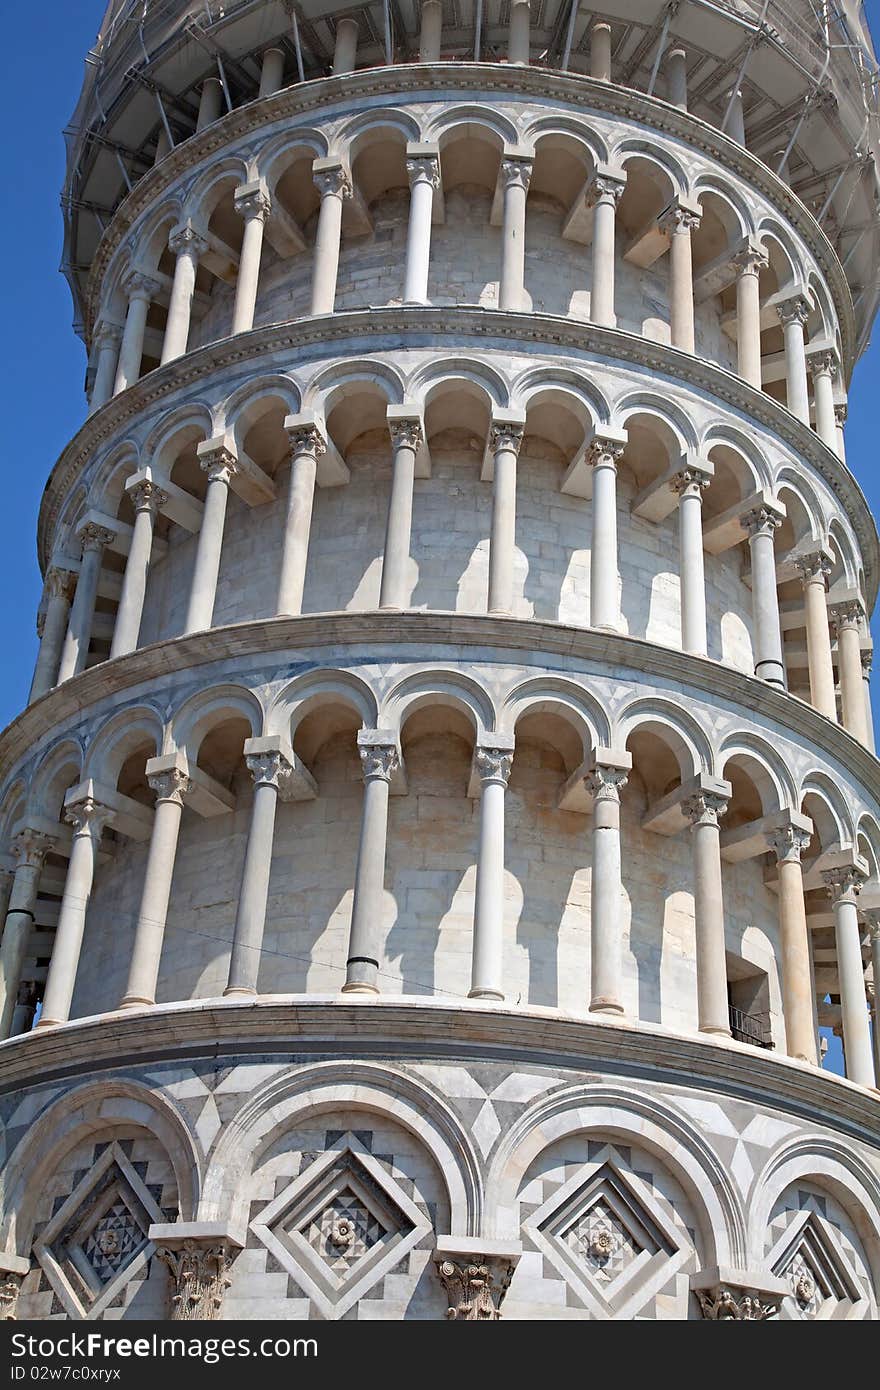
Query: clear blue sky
44, 362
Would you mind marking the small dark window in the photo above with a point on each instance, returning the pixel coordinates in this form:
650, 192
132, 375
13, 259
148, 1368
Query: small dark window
748, 997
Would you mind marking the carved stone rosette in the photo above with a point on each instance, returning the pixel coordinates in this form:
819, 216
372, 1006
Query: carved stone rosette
201, 1276
475, 1287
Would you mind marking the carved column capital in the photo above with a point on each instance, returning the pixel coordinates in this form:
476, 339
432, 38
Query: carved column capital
505, 435
269, 769
406, 434
691, 482
605, 783
815, 567
848, 614
788, 843
493, 764
30, 848
423, 168
88, 817
220, 464
605, 451
516, 173
333, 182
823, 362
138, 285
306, 439
379, 761
173, 785
147, 496
751, 260
761, 521
185, 239
606, 188
475, 1286
844, 883
678, 220
794, 310
107, 335
704, 808
59, 583
94, 536
253, 204
200, 1274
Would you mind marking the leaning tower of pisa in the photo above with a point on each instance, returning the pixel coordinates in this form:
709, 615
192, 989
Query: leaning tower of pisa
444, 833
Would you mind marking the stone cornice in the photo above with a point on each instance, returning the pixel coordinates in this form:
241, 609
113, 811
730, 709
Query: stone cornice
380, 635
429, 79
442, 327
324, 1027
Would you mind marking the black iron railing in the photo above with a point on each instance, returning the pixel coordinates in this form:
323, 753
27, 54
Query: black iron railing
748, 1029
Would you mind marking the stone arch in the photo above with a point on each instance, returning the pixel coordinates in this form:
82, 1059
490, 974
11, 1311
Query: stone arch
642, 1120
254, 416
58, 770
868, 842
585, 394
298, 698
673, 726
274, 157
667, 169
845, 551
446, 124
12, 807
212, 185
652, 404
109, 479
736, 213
482, 377
206, 710
118, 738
244, 404
790, 480
827, 1162
175, 432
352, 1085
439, 686
540, 129
571, 702
82, 1111
785, 258
765, 767
828, 810
150, 239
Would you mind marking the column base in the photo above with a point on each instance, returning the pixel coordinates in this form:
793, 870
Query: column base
606, 1006
716, 1030
135, 1001
356, 987
486, 994
49, 1023
239, 992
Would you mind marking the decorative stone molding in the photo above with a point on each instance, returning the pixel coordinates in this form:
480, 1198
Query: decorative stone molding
737, 1296
198, 1256
476, 1276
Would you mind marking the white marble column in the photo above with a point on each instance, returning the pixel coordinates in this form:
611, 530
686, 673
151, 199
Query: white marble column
271, 72
606, 782
253, 204
505, 438
188, 245
704, 810
146, 498
735, 126
492, 766
270, 771
788, 844
603, 195
406, 437
600, 51
516, 171
676, 77
840, 413
88, 818
760, 525
519, 32
847, 618
679, 222
844, 884
690, 485
29, 849
431, 32
219, 463
345, 49
825, 369
604, 452
814, 570
793, 314
141, 289
79, 628
210, 103
307, 445
423, 172
171, 787
334, 185
58, 590
379, 760
867, 662
748, 263
872, 919
108, 337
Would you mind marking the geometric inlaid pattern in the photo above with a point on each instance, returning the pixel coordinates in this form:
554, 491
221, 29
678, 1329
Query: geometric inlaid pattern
809, 1256
97, 1241
340, 1226
609, 1237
